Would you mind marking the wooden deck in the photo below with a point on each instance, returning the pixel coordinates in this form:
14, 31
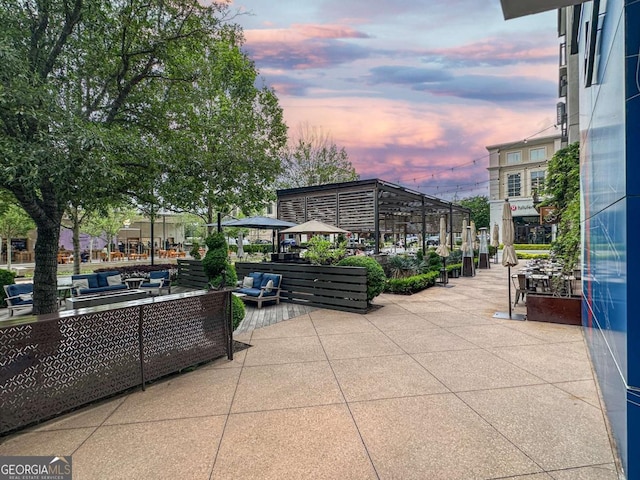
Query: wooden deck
269, 314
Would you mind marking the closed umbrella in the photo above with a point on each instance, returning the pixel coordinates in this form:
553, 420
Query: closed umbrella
463, 247
443, 249
495, 240
474, 235
240, 252
509, 257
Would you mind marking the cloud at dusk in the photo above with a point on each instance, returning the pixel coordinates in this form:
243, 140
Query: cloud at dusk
413, 90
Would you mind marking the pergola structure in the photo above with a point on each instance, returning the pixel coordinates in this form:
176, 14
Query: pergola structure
371, 208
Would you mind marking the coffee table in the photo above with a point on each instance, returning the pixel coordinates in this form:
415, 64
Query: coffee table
105, 299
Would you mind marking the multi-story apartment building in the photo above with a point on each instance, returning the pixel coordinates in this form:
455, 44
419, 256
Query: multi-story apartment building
517, 171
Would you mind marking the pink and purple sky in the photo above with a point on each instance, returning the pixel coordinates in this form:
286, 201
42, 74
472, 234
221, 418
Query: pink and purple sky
413, 89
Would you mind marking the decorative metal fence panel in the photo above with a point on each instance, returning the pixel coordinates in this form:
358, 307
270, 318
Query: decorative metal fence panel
52, 364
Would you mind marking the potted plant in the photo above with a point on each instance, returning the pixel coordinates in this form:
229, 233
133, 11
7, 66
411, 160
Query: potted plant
562, 304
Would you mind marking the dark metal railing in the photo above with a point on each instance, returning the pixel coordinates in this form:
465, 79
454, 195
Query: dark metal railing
50, 364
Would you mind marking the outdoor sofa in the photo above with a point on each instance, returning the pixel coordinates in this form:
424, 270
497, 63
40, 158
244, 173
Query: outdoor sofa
100, 282
261, 287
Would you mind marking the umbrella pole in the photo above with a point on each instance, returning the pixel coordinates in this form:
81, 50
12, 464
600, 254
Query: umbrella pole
444, 271
509, 284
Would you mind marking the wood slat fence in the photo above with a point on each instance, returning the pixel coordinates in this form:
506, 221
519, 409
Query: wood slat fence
323, 286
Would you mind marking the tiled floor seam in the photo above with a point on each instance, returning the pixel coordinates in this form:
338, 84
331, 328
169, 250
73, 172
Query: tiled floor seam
100, 426
346, 403
227, 415
500, 433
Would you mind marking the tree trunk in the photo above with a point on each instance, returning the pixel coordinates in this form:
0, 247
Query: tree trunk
8, 253
76, 244
45, 281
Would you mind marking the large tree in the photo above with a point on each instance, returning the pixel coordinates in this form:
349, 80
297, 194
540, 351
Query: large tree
479, 206
312, 158
83, 102
227, 138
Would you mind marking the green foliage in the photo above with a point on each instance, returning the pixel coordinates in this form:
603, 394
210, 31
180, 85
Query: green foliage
238, 311
216, 261
453, 266
100, 100
313, 159
7, 277
531, 246
400, 266
195, 250
479, 206
412, 284
376, 279
455, 257
532, 256
562, 182
562, 188
323, 252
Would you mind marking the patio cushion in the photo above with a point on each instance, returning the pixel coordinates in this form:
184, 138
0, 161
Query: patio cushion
253, 292
23, 292
114, 280
275, 278
91, 277
102, 278
257, 279
247, 282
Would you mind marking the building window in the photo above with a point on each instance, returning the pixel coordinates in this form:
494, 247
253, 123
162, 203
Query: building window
513, 185
270, 209
538, 154
514, 157
537, 181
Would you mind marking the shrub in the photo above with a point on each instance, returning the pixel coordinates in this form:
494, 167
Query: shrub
532, 256
453, 266
413, 284
376, 278
7, 277
195, 251
216, 262
532, 246
238, 311
322, 252
140, 271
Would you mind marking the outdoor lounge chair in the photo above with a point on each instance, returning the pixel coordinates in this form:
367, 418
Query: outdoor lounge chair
158, 281
19, 297
265, 287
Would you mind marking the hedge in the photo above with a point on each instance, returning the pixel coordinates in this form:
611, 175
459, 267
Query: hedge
376, 279
532, 256
413, 284
532, 246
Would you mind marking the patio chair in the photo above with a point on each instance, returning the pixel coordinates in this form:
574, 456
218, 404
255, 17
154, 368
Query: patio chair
19, 297
520, 283
261, 287
158, 281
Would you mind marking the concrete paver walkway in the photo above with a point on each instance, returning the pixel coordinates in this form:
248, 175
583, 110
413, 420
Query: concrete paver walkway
428, 386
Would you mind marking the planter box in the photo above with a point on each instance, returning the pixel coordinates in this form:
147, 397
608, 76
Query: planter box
547, 308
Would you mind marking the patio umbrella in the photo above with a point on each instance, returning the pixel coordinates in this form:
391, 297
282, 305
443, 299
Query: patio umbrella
314, 226
509, 257
495, 240
263, 223
443, 249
